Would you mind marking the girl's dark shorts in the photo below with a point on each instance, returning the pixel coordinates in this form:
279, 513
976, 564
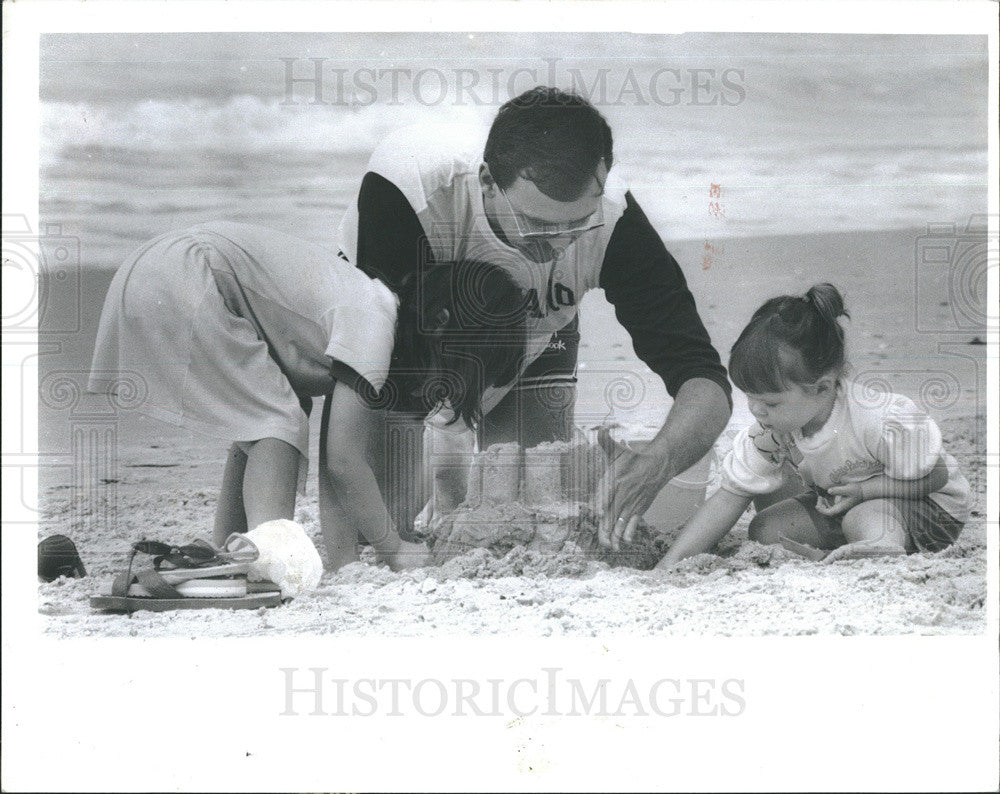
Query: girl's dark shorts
930, 526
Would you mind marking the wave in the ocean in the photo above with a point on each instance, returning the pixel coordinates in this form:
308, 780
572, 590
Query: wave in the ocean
240, 124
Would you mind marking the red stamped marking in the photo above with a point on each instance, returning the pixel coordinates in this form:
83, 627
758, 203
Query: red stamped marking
709, 254
717, 210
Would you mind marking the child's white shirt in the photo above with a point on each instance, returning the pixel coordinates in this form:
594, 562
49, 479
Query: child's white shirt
867, 435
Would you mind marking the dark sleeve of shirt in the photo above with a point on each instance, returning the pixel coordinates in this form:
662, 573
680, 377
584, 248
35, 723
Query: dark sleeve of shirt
391, 247
652, 301
391, 241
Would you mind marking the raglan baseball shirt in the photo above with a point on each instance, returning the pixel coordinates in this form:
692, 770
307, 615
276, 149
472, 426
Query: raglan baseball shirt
421, 201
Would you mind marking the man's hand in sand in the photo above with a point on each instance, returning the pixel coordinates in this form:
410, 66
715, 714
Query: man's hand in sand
629, 485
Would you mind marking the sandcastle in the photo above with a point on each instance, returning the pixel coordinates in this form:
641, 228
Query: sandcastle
536, 498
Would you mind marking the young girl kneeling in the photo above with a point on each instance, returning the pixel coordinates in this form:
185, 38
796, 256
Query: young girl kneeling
880, 481
232, 329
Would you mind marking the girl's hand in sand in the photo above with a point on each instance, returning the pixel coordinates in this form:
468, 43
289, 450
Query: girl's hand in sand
409, 556
844, 498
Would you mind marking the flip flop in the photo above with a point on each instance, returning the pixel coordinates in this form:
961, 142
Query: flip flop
134, 604
198, 588
178, 576
258, 594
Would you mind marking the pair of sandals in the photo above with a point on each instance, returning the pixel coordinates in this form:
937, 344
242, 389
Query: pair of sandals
197, 575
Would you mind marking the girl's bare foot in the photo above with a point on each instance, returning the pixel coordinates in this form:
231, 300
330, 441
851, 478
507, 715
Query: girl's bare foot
339, 557
861, 550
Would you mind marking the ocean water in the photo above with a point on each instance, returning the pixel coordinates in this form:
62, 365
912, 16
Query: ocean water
720, 136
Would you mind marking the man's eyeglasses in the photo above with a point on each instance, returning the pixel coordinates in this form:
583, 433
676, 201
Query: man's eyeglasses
534, 229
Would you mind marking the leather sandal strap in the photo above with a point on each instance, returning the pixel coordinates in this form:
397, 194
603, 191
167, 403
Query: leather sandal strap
155, 584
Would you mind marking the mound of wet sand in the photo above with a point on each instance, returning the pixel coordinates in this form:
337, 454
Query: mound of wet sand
537, 501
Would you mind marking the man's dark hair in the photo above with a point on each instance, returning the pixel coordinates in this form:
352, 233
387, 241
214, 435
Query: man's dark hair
552, 138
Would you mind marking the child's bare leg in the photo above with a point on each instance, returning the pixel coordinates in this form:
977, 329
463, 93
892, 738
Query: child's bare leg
873, 527
269, 481
796, 521
230, 515
339, 534
877, 523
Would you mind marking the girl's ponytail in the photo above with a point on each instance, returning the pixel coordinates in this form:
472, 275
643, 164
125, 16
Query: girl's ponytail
827, 345
790, 340
828, 301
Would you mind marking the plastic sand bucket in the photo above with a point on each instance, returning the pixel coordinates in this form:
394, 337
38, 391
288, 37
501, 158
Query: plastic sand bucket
681, 497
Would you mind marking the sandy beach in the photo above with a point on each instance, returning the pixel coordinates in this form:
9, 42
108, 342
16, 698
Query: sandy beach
162, 483
772, 148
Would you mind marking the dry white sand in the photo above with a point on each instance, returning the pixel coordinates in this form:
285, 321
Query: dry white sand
744, 589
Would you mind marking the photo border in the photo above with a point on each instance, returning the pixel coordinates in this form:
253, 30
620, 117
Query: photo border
821, 712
